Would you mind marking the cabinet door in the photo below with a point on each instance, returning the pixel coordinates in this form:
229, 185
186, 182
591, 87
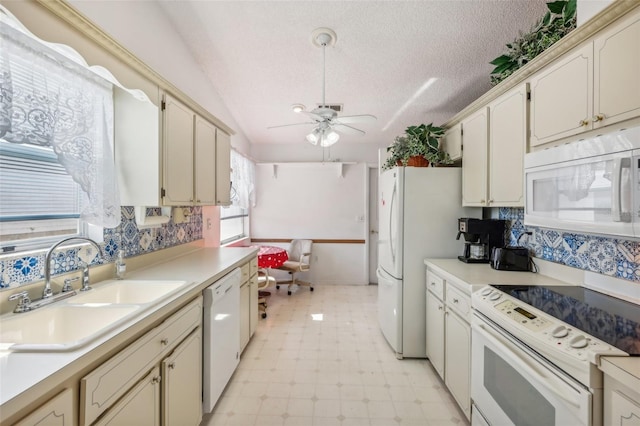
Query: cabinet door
562, 96
435, 333
177, 179
56, 412
616, 94
508, 138
475, 158
140, 406
245, 322
458, 360
205, 162
452, 142
223, 168
253, 304
182, 383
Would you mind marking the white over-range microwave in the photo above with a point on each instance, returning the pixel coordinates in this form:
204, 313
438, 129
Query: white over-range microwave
590, 186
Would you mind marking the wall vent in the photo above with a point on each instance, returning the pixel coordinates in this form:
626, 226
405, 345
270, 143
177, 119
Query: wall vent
335, 107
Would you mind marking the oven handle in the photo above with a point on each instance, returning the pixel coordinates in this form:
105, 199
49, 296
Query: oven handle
544, 379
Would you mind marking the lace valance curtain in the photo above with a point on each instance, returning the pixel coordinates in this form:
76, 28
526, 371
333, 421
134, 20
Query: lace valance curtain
243, 176
48, 101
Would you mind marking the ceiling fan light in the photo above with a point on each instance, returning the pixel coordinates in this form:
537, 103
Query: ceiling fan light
313, 137
297, 108
329, 138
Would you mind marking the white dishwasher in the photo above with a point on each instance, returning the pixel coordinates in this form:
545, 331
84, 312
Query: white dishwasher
221, 351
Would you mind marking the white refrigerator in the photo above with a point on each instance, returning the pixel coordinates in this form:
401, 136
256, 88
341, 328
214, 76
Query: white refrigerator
419, 209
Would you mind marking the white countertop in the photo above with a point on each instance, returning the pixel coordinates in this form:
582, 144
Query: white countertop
477, 275
20, 371
626, 370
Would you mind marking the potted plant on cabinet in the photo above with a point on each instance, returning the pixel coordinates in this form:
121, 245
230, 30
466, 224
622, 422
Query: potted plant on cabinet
419, 147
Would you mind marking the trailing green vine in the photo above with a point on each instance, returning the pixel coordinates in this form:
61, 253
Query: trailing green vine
559, 20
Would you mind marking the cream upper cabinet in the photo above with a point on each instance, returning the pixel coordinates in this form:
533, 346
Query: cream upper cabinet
56, 412
223, 169
205, 162
593, 86
475, 139
616, 94
507, 144
562, 97
178, 177
452, 142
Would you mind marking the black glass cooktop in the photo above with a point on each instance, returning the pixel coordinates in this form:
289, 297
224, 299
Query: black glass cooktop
607, 318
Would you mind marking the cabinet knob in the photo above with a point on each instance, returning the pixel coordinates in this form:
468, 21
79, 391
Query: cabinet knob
156, 380
482, 201
172, 365
197, 201
455, 300
490, 201
583, 123
597, 117
440, 307
433, 284
164, 341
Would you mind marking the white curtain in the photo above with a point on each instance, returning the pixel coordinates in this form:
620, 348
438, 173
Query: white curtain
243, 177
48, 101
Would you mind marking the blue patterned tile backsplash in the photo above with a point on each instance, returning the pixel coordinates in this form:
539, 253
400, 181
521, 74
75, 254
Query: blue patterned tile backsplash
611, 256
27, 268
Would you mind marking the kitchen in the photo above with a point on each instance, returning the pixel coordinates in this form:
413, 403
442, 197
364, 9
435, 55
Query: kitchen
553, 246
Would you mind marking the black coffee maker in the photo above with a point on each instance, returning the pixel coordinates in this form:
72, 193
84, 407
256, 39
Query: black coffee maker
480, 236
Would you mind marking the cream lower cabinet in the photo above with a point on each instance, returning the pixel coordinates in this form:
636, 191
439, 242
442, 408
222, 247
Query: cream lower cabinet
457, 375
127, 385
248, 301
449, 336
58, 411
435, 322
140, 406
621, 402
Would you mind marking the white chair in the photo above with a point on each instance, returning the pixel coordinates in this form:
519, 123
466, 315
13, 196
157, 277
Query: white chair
264, 281
299, 261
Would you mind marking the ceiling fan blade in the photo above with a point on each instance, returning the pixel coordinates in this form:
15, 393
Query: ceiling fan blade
313, 115
343, 128
365, 118
294, 124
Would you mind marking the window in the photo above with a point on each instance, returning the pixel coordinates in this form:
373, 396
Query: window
39, 201
234, 220
234, 223
57, 175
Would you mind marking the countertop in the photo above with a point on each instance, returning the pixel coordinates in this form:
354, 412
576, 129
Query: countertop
477, 275
626, 370
21, 371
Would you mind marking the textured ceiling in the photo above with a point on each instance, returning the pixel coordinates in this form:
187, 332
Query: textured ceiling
259, 56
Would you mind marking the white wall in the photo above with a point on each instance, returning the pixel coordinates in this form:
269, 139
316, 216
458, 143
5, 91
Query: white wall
311, 200
586, 9
160, 47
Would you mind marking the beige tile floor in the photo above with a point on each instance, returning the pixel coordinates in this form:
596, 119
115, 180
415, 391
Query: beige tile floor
319, 359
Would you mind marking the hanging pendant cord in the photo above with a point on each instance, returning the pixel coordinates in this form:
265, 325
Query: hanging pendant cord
324, 69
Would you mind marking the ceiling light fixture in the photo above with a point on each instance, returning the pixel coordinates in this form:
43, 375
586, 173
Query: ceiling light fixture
298, 107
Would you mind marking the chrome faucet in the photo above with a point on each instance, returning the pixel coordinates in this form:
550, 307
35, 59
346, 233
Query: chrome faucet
47, 292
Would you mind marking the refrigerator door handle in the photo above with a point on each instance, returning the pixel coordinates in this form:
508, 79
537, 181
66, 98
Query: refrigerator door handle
391, 206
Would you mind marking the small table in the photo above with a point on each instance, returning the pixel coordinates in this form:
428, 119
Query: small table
271, 257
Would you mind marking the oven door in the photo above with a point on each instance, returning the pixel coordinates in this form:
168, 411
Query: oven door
512, 385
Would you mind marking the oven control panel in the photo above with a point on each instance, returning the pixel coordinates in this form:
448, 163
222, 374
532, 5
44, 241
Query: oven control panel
523, 316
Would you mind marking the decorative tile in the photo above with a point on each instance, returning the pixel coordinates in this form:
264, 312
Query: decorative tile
602, 253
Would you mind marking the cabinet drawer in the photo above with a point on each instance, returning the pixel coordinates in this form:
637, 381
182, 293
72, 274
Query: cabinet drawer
435, 283
458, 301
245, 270
107, 383
253, 266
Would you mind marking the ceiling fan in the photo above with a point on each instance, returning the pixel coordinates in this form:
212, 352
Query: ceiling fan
328, 125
